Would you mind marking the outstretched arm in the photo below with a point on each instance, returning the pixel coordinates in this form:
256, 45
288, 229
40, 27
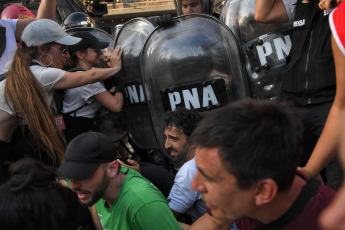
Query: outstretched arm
327, 145
76, 79
45, 10
270, 11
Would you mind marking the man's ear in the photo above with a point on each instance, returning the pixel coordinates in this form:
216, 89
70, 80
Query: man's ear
267, 190
113, 168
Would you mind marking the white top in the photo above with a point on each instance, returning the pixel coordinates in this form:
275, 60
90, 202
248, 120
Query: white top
76, 97
182, 198
11, 43
47, 76
290, 8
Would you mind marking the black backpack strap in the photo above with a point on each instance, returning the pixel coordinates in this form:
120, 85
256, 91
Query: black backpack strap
2, 77
2, 40
308, 191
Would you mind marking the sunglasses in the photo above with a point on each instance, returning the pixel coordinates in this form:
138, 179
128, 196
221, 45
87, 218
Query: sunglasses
62, 51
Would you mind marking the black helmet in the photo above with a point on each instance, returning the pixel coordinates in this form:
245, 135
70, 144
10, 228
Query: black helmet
194, 6
78, 19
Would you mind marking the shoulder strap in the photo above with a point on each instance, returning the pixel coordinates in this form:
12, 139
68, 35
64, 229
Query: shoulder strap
2, 40
296, 209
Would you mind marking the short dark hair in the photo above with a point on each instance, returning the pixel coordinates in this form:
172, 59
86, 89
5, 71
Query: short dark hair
185, 120
256, 140
32, 199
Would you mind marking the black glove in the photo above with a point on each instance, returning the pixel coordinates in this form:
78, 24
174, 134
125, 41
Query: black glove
164, 21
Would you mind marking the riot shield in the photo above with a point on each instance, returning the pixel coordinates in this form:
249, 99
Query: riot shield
131, 37
264, 47
194, 64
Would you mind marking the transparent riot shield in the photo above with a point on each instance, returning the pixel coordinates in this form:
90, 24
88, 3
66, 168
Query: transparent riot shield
194, 64
264, 47
107, 122
131, 37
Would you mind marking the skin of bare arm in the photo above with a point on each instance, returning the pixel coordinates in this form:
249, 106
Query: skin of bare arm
45, 10
207, 222
75, 79
112, 103
270, 11
327, 145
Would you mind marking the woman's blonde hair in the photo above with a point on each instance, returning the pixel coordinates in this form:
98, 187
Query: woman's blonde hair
28, 99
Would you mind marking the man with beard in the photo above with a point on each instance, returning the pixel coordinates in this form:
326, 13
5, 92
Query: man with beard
123, 198
185, 203
182, 199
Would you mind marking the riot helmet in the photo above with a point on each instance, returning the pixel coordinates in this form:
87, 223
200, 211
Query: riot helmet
194, 6
16, 12
78, 19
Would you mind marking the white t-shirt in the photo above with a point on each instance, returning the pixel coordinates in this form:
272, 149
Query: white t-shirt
77, 97
182, 198
47, 76
11, 43
290, 8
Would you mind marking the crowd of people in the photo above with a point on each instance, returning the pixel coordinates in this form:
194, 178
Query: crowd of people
235, 167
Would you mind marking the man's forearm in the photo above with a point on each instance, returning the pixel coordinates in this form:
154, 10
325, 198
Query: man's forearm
46, 9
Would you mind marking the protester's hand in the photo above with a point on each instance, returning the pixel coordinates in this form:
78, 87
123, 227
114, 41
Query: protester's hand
328, 4
133, 165
165, 20
114, 59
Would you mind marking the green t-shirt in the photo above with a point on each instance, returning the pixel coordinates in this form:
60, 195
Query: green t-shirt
139, 205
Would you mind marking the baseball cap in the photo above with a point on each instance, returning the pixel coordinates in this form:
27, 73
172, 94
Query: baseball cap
88, 41
43, 31
85, 153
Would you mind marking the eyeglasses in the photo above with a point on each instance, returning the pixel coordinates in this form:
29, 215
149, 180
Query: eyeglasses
62, 51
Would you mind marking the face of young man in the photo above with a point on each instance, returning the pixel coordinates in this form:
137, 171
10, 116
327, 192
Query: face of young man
176, 144
89, 191
191, 6
219, 188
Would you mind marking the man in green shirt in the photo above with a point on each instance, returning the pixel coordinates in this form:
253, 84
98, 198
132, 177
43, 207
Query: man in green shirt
124, 199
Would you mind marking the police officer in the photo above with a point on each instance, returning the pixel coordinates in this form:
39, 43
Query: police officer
308, 80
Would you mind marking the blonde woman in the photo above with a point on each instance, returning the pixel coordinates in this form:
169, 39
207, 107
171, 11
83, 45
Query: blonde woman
26, 94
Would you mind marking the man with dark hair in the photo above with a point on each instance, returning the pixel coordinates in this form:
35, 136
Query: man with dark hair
247, 154
185, 203
123, 198
178, 128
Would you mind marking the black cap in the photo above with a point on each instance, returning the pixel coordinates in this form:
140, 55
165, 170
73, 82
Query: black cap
85, 153
88, 41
